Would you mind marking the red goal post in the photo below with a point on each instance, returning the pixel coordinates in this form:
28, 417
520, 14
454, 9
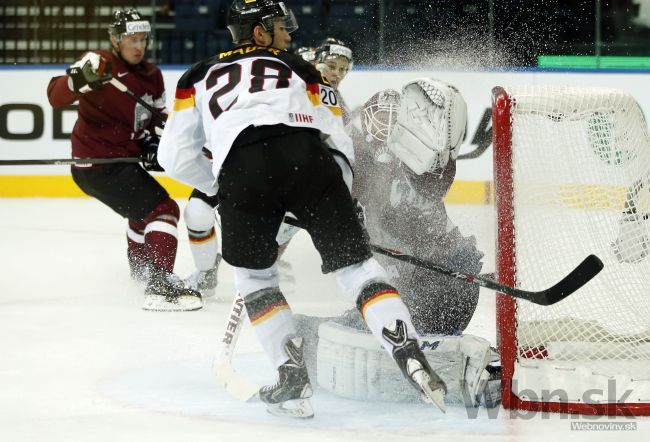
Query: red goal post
572, 177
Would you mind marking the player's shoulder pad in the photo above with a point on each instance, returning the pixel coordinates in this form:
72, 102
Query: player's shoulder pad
103, 52
302, 68
195, 73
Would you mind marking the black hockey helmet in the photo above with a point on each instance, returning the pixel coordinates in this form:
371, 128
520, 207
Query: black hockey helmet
306, 53
244, 15
128, 21
333, 47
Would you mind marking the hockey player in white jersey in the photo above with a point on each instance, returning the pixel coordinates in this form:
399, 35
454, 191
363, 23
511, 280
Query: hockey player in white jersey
275, 131
334, 59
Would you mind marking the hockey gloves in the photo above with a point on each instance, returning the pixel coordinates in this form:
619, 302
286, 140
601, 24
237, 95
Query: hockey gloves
89, 73
149, 146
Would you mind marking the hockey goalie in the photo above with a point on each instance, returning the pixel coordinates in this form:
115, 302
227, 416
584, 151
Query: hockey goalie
406, 146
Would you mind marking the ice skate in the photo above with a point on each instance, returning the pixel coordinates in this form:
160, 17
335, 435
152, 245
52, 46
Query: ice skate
414, 365
166, 292
138, 268
204, 281
289, 395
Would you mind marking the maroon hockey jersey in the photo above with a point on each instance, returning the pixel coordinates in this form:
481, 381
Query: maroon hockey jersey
109, 122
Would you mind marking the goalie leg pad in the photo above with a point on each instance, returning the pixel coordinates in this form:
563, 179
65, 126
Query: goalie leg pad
351, 363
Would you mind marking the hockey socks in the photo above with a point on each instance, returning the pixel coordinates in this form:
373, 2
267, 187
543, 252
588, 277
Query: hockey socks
136, 251
380, 304
272, 320
204, 247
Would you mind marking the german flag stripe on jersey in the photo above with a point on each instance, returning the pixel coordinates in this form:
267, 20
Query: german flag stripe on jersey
313, 93
184, 98
264, 304
374, 293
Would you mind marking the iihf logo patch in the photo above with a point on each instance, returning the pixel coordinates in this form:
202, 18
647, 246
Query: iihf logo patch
300, 118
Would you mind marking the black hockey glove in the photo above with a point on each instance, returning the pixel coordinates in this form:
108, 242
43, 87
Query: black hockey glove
149, 146
89, 73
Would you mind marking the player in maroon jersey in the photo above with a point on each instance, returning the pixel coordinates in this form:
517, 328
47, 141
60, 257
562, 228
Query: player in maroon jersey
111, 124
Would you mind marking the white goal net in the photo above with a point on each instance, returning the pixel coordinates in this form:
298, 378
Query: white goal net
572, 177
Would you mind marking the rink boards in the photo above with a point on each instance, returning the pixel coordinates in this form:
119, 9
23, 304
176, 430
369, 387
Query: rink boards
31, 129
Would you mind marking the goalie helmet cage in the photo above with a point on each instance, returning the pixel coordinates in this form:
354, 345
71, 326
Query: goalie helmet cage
571, 172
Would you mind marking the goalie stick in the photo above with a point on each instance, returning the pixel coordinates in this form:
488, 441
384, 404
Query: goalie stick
235, 384
70, 161
578, 277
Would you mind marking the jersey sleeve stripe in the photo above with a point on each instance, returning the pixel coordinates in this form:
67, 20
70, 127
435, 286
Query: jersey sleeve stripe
335, 110
312, 93
184, 99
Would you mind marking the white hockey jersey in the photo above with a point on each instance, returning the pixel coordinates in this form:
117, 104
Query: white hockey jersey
219, 97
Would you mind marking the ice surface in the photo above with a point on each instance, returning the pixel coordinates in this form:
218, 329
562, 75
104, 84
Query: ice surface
80, 360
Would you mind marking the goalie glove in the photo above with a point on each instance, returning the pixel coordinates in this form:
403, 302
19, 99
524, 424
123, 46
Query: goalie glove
431, 125
89, 73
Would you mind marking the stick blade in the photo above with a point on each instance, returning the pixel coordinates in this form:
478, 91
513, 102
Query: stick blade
234, 383
583, 273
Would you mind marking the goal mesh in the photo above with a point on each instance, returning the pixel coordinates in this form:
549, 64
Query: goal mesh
572, 177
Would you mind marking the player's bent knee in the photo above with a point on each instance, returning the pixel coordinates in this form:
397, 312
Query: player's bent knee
249, 281
166, 210
199, 215
353, 278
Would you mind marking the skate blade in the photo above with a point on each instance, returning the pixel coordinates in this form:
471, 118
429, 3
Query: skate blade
296, 408
430, 395
156, 303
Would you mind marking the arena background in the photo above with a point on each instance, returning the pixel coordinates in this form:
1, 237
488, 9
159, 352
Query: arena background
473, 44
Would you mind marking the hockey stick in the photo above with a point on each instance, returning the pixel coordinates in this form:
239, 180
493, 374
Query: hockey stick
475, 153
482, 137
578, 277
155, 112
235, 384
71, 161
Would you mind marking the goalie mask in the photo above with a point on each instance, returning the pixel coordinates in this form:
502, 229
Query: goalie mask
431, 125
244, 15
379, 115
